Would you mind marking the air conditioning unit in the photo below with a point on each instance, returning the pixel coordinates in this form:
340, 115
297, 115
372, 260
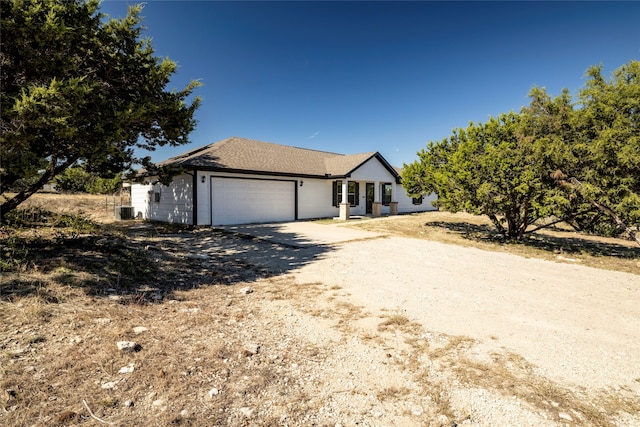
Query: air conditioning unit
124, 212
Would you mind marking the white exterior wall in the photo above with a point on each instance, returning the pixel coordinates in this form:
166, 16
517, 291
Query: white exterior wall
374, 172
140, 199
315, 198
204, 198
405, 203
175, 204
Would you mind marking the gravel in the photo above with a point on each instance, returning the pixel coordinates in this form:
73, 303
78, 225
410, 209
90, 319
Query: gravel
576, 329
471, 338
577, 324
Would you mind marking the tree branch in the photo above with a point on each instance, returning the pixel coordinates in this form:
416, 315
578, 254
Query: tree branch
47, 176
540, 227
606, 209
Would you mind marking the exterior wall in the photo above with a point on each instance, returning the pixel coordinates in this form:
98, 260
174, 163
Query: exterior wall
140, 194
157, 202
315, 198
374, 172
203, 190
405, 203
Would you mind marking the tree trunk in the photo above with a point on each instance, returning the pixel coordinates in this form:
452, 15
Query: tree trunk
617, 220
47, 176
497, 223
607, 210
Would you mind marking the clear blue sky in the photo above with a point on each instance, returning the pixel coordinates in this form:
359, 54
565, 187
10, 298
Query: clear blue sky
352, 77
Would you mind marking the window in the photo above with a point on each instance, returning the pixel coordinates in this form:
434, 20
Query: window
417, 200
352, 196
156, 197
386, 194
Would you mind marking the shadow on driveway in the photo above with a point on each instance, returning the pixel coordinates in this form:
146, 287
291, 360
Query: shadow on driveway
268, 249
302, 234
149, 261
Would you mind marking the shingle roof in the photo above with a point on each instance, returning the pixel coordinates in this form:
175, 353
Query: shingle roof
246, 155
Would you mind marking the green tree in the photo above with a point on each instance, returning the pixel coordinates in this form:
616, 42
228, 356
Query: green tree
78, 87
574, 163
100, 185
605, 163
496, 169
77, 180
73, 180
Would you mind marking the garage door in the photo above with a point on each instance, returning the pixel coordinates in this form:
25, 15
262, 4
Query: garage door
245, 201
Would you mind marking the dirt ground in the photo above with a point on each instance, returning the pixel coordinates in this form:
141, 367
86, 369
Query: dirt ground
382, 331
576, 329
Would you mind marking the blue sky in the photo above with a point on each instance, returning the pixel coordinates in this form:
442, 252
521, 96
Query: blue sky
352, 77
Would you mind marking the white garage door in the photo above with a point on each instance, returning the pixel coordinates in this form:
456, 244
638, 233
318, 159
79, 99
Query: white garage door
245, 201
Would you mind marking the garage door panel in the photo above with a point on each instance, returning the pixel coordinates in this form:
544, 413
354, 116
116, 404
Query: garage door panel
243, 201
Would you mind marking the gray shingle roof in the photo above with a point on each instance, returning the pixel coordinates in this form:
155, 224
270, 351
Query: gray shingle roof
246, 155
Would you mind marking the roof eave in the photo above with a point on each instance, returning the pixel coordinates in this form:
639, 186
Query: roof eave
253, 172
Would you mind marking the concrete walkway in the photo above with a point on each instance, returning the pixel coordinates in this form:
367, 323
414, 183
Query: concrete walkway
302, 233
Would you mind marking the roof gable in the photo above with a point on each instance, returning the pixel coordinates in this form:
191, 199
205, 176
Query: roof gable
245, 155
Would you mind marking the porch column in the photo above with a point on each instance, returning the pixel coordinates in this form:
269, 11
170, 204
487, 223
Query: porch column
376, 210
344, 203
393, 206
345, 189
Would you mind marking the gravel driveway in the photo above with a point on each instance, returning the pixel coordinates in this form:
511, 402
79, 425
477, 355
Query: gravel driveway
578, 325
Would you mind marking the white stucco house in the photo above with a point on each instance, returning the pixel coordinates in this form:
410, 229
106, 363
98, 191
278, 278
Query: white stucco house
242, 181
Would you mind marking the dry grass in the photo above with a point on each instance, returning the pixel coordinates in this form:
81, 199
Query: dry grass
70, 290
512, 375
392, 393
477, 231
98, 208
52, 362
399, 322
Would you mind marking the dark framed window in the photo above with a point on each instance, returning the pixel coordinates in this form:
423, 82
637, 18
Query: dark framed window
352, 196
386, 193
417, 200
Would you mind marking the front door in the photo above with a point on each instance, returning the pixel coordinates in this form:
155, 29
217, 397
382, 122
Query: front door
370, 196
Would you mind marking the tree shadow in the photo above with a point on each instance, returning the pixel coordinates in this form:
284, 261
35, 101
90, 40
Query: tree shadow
146, 262
578, 245
542, 241
477, 232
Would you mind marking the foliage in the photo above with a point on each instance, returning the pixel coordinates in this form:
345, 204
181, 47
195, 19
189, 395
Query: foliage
495, 169
608, 166
72, 180
78, 180
21, 184
578, 163
78, 87
36, 216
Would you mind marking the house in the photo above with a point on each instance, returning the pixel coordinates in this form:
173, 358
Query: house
242, 181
